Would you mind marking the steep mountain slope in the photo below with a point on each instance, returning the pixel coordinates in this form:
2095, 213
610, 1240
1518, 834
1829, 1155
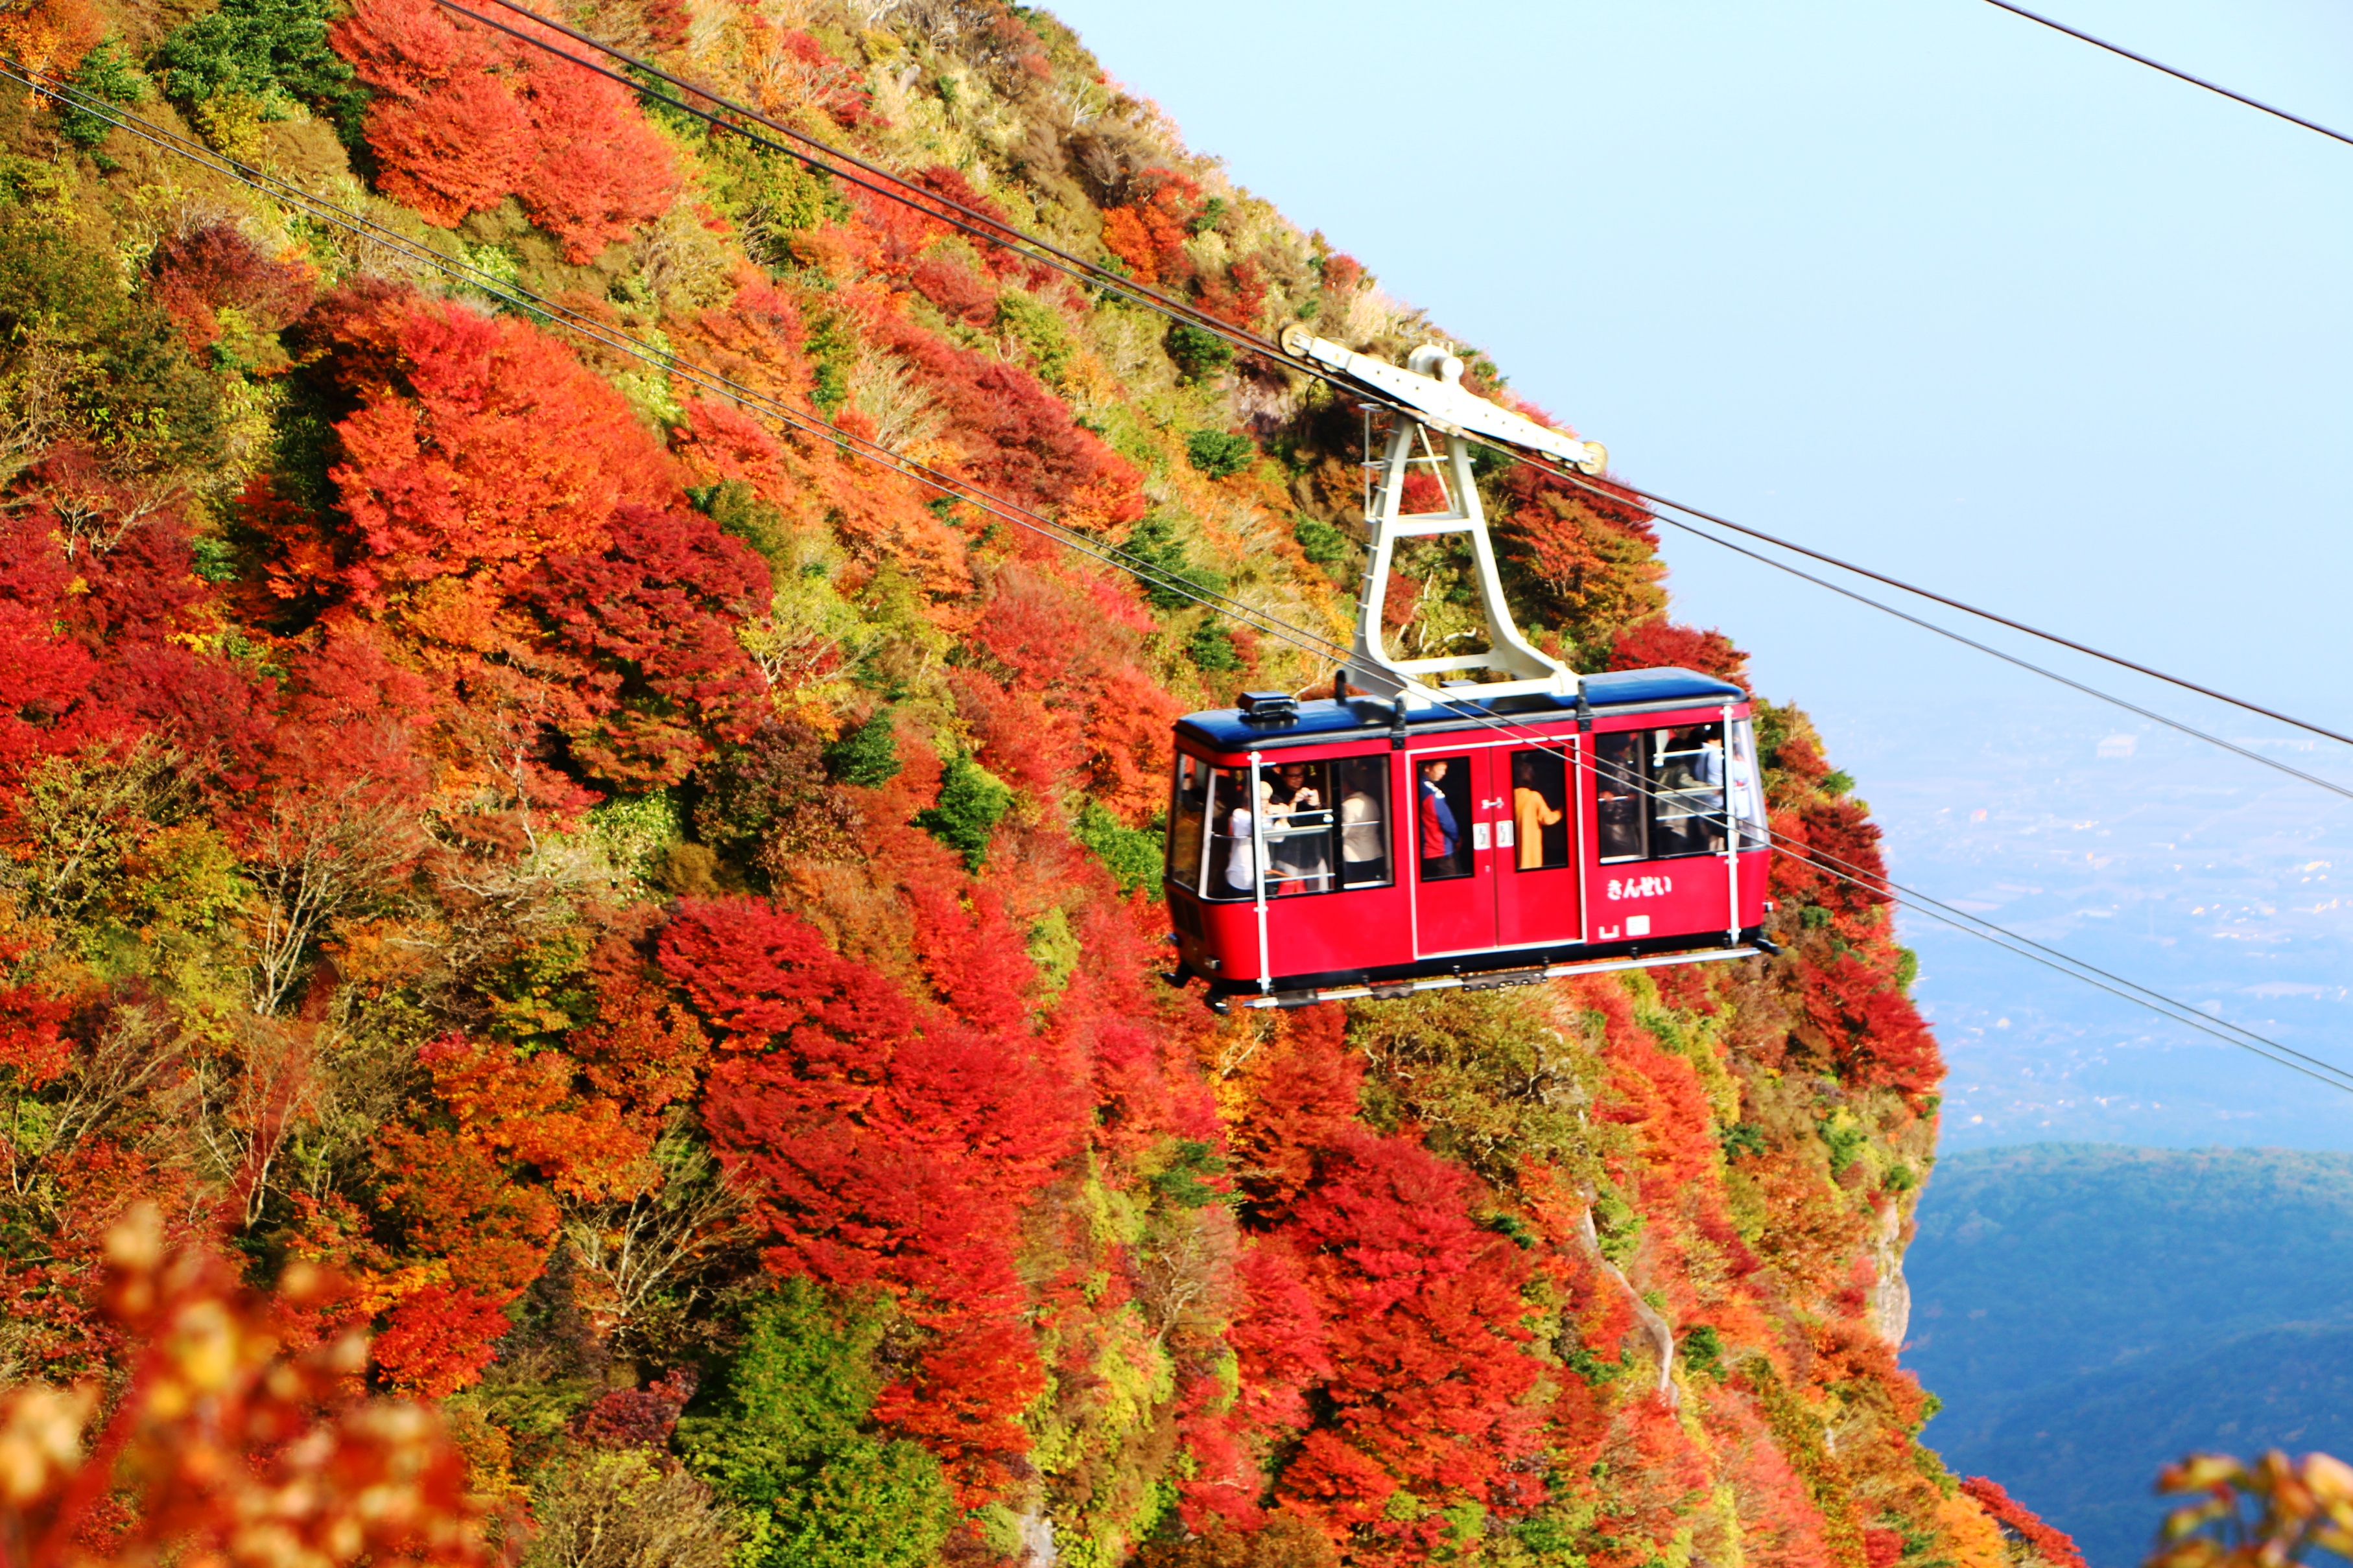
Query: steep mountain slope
2204, 1304
662, 909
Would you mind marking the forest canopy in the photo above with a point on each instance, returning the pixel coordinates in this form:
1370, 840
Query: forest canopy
565, 935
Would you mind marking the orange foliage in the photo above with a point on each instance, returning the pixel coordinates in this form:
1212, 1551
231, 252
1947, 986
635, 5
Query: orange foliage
1779, 1525
1659, 643
224, 1443
201, 271
1381, 1311
2255, 1514
2057, 1548
49, 36
479, 446
465, 117
516, 530
1149, 232
1020, 441
892, 1142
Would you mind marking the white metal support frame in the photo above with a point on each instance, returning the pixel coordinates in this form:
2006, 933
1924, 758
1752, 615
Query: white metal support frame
1437, 435
1258, 872
1732, 826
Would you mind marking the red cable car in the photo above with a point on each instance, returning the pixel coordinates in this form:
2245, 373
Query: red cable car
1324, 850
1497, 832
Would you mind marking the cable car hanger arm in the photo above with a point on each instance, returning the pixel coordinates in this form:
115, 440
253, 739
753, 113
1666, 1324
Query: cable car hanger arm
1429, 388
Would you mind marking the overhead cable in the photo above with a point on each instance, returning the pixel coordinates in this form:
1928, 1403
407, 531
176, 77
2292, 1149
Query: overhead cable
994, 231
2172, 71
1930, 593
837, 162
1151, 573
2073, 968
1988, 649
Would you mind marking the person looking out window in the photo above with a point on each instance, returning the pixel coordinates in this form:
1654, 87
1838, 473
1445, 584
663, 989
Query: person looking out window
1440, 834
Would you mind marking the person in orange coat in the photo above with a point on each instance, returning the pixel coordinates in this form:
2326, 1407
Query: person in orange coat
1530, 813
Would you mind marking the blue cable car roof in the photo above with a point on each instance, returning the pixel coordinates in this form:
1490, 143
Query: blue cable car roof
1323, 721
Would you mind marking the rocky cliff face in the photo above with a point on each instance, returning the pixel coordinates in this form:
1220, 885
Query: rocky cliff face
508, 800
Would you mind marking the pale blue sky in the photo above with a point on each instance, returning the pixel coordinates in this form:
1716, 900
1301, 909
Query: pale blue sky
1917, 282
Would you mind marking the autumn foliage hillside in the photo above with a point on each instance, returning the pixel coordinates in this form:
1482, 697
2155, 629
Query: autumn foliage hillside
617, 942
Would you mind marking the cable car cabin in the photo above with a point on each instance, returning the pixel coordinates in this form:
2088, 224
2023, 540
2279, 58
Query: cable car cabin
1326, 849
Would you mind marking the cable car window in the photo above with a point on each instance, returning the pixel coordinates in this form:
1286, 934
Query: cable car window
1747, 785
1687, 791
1232, 871
1619, 788
1299, 822
1442, 816
1322, 825
1660, 793
1540, 822
1187, 815
1363, 786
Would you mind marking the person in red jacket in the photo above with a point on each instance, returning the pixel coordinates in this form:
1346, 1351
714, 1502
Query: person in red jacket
1441, 837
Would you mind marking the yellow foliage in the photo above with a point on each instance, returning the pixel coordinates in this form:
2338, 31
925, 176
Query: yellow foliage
1972, 1539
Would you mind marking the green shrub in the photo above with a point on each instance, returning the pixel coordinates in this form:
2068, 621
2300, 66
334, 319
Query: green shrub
1036, 327
789, 1444
1180, 1181
1485, 1079
105, 72
1704, 1351
1847, 1139
971, 799
124, 376
1153, 544
1590, 1366
739, 513
633, 829
1743, 1138
1211, 647
1522, 1233
1320, 542
769, 195
830, 350
1132, 855
1218, 453
1199, 354
272, 50
868, 755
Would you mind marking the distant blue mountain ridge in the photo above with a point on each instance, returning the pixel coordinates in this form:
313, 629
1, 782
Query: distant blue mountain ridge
2090, 1312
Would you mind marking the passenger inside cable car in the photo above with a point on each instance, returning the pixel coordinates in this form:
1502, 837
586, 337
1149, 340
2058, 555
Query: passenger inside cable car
1539, 815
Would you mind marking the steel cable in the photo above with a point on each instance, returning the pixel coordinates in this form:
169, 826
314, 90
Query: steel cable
1153, 573
2171, 71
982, 225
1149, 572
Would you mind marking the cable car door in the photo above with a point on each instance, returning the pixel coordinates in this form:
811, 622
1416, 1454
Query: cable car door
1539, 843
1454, 812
